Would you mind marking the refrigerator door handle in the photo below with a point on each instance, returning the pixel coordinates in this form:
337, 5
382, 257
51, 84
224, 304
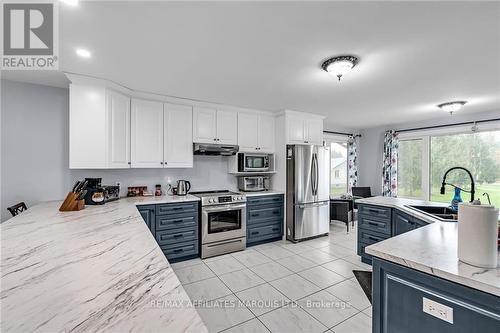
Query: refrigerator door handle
314, 179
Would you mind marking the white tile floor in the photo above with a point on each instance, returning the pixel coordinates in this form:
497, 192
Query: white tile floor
282, 287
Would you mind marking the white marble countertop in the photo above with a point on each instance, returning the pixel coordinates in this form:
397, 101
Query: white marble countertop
431, 249
98, 269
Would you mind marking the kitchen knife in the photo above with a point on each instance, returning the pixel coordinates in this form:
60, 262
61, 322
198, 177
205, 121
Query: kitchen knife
82, 186
75, 186
82, 195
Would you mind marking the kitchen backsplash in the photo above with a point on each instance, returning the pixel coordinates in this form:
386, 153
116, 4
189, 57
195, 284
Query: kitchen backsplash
208, 173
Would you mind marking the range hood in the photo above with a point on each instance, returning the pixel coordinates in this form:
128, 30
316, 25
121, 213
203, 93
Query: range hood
214, 149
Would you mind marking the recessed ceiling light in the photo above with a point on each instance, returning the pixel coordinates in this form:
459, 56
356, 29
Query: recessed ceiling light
83, 53
70, 2
452, 106
340, 65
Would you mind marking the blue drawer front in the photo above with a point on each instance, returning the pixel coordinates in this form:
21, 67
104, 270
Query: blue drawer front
176, 221
276, 199
375, 212
181, 250
263, 232
376, 225
172, 237
256, 215
177, 209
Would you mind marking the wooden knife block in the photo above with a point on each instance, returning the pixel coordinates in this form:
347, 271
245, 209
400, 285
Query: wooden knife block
71, 203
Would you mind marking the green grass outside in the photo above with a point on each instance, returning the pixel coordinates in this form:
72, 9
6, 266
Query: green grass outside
492, 189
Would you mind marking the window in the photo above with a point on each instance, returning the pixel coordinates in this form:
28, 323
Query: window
410, 168
424, 159
338, 168
478, 152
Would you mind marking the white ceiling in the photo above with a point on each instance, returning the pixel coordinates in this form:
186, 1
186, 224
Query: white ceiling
267, 55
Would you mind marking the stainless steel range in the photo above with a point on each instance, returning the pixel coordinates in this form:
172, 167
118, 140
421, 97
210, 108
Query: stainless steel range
223, 222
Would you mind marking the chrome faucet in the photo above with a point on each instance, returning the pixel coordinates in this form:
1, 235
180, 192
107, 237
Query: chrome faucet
472, 184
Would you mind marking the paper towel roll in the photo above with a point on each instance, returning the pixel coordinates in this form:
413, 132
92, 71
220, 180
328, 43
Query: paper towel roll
477, 235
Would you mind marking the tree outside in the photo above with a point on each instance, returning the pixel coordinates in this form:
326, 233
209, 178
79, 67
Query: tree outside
478, 152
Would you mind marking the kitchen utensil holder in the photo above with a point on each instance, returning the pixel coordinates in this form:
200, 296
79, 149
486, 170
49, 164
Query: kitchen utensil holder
72, 203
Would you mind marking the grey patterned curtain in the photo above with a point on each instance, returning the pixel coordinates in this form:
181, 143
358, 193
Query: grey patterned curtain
390, 165
352, 163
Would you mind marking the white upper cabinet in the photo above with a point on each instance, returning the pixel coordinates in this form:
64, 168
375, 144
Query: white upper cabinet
227, 127
204, 125
99, 128
178, 136
314, 131
147, 134
255, 132
215, 126
296, 129
248, 129
118, 112
303, 128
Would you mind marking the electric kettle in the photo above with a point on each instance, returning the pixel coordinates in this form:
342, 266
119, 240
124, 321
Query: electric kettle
183, 187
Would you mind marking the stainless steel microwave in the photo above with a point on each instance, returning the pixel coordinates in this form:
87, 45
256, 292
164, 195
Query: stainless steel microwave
251, 162
254, 183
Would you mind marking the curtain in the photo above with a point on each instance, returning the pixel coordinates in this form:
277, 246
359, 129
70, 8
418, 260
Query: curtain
390, 165
352, 164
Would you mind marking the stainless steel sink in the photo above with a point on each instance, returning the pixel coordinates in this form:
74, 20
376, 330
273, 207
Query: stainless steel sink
445, 214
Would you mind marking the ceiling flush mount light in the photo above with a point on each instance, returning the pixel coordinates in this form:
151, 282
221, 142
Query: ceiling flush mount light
340, 65
83, 53
452, 106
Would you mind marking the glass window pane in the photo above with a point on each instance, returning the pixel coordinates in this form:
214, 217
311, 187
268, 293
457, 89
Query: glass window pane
338, 168
410, 168
478, 152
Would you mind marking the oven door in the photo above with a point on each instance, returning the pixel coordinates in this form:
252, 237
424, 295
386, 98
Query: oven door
223, 222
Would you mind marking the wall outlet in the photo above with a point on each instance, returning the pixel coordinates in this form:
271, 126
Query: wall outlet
437, 310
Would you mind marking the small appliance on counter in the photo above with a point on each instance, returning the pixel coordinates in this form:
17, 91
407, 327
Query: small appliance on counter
98, 194
254, 183
182, 188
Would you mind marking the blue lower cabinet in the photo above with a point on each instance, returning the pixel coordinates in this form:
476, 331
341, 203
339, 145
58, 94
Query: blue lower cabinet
264, 219
406, 300
148, 215
175, 227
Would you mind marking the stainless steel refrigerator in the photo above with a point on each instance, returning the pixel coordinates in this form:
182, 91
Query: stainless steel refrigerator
307, 191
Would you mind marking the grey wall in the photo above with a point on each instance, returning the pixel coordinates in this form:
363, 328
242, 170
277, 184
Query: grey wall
34, 151
372, 141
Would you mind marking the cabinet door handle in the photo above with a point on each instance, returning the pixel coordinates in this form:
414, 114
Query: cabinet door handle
178, 235
374, 238
254, 232
276, 229
276, 212
374, 223
177, 208
178, 250
255, 215
276, 199
177, 221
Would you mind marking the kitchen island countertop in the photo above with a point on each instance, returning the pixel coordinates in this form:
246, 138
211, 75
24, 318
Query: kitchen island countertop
431, 249
99, 269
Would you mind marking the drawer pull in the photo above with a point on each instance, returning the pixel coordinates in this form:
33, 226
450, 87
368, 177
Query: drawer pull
255, 215
255, 232
177, 208
276, 212
374, 238
178, 250
276, 229
277, 199
178, 221
375, 223
178, 235
373, 210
